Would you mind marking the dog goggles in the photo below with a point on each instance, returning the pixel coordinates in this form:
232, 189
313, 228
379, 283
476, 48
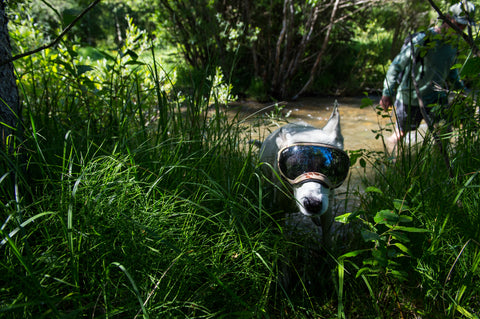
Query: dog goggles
304, 161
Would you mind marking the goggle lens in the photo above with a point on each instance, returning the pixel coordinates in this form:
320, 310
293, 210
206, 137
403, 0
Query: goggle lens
301, 159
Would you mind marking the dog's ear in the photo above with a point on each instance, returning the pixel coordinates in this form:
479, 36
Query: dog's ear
332, 128
283, 138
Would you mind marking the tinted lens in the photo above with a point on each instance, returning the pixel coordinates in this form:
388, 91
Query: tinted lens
299, 159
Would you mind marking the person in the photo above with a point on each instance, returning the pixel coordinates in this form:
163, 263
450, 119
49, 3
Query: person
434, 55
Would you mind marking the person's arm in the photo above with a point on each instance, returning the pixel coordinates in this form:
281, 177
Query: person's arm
392, 78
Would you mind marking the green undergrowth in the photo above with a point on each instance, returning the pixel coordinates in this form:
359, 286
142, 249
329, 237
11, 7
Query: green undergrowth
128, 194
420, 248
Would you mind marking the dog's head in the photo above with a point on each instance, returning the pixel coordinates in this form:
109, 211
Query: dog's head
313, 162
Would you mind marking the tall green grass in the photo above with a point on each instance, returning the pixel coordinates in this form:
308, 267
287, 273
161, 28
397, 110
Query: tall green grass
126, 198
129, 195
420, 229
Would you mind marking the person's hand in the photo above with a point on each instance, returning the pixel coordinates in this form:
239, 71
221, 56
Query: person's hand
386, 102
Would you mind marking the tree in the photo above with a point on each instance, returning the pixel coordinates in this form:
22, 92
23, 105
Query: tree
9, 98
282, 43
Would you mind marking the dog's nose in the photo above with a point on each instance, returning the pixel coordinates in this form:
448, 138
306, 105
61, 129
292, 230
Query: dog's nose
312, 205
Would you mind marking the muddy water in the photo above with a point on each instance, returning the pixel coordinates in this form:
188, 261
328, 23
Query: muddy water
357, 123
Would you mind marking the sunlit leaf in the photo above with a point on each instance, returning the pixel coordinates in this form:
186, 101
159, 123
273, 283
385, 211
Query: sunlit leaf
346, 218
373, 189
343, 218
353, 253
403, 248
457, 66
362, 270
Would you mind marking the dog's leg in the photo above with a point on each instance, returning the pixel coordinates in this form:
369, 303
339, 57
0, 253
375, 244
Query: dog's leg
327, 222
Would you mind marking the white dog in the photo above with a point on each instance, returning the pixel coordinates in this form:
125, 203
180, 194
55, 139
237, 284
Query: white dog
311, 163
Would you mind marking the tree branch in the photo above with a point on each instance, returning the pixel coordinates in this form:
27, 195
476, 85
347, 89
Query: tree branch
445, 18
322, 50
57, 39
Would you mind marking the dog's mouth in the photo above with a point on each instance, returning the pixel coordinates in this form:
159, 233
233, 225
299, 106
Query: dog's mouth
302, 162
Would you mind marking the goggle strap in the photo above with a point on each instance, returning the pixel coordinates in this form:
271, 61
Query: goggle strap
310, 177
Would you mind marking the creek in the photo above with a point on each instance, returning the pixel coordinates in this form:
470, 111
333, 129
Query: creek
357, 123
357, 126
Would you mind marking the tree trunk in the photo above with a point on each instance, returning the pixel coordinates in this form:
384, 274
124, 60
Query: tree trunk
322, 50
9, 100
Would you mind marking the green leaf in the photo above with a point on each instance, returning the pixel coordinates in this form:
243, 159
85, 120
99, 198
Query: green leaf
348, 217
132, 54
380, 256
69, 15
354, 156
134, 62
405, 219
456, 66
373, 189
107, 55
343, 218
412, 229
362, 162
401, 275
370, 261
67, 66
387, 217
369, 236
400, 205
353, 253
363, 270
471, 67
23, 225
399, 236
465, 313
366, 102
403, 248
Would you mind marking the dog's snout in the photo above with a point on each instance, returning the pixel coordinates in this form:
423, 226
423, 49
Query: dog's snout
313, 205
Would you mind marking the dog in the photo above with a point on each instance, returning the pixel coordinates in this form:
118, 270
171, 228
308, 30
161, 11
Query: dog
310, 162
302, 165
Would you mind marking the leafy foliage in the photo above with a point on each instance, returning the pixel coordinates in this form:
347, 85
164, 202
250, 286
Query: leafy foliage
416, 223
134, 193
130, 191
